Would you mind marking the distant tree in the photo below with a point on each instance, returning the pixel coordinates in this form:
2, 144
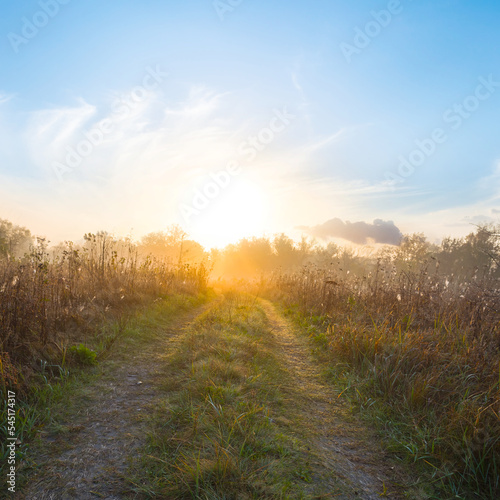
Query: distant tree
246, 259
287, 254
323, 256
476, 255
173, 246
414, 252
15, 241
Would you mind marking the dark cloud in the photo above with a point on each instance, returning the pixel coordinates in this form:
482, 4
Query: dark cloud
357, 232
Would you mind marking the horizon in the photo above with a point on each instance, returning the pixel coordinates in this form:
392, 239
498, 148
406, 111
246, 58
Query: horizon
316, 241
241, 119
250, 249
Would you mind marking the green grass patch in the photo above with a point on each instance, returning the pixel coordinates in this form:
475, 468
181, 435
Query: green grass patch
215, 433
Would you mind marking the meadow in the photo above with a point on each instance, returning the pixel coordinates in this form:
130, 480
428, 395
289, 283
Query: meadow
415, 354
408, 337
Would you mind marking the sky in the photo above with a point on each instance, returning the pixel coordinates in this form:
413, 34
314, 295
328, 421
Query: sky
235, 118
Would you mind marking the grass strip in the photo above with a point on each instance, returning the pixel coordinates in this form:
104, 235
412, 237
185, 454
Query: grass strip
216, 432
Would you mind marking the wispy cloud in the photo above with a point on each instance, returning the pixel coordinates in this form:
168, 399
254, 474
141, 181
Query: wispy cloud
48, 131
133, 178
5, 97
491, 182
156, 152
200, 103
327, 141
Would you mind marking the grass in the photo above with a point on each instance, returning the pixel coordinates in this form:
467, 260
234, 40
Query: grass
416, 351
62, 314
216, 431
433, 393
58, 392
48, 303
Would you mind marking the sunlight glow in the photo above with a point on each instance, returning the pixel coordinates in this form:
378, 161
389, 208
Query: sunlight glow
240, 211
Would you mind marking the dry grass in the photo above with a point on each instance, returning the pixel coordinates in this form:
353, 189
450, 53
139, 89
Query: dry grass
43, 300
67, 310
85, 454
419, 354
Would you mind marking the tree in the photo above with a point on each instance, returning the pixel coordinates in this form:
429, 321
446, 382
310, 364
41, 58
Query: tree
284, 247
15, 241
173, 246
413, 252
476, 254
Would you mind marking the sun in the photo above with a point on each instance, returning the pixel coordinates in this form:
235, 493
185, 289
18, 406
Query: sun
240, 210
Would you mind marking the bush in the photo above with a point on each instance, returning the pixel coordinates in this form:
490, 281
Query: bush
83, 355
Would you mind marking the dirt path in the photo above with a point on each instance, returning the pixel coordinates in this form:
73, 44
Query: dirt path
346, 450
89, 459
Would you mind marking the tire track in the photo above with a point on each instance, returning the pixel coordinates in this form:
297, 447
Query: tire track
345, 455
101, 442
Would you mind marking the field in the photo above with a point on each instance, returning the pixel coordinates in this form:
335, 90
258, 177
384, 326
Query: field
271, 369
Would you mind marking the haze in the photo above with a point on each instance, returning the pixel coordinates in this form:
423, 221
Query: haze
247, 118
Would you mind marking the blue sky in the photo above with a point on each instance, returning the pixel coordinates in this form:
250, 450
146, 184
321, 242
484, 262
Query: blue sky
219, 83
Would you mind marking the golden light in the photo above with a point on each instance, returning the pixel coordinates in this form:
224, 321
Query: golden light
238, 211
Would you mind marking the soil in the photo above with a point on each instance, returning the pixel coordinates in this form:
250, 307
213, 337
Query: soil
90, 458
346, 454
